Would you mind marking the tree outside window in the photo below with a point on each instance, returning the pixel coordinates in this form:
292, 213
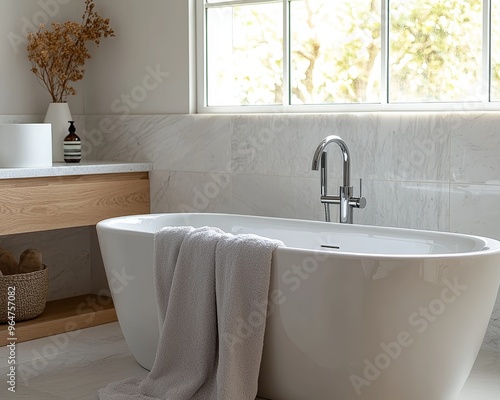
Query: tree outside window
316, 52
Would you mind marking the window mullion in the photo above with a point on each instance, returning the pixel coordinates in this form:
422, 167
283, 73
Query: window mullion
201, 59
287, 98
485, 91
384, 52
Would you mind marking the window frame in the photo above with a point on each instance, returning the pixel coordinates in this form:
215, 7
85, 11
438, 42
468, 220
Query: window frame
483, 102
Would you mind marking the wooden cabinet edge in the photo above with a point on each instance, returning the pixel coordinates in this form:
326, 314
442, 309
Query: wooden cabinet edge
40, 204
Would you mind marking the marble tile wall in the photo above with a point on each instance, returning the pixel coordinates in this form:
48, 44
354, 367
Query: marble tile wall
437, 171
261, 164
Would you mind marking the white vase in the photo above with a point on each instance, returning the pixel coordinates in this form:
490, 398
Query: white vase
58, 114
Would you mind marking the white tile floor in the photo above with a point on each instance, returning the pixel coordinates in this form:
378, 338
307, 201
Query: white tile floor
76, 365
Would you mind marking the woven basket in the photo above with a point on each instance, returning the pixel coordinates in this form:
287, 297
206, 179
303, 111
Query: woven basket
30, 294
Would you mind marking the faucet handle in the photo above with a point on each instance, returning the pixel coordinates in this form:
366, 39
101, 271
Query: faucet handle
358, 202
362, 201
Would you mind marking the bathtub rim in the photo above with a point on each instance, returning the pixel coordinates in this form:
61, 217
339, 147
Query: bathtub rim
491, 246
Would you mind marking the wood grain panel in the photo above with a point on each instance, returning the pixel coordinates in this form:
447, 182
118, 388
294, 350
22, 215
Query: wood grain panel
62, 316
39, 204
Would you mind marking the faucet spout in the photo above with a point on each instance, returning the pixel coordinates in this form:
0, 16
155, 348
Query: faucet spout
346, 158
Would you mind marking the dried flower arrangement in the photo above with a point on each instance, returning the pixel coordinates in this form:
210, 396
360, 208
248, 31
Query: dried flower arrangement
58, 56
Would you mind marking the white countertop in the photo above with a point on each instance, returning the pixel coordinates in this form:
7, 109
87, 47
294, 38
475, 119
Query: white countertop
83, 168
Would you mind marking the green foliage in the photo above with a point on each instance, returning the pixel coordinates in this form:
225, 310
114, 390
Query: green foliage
258, 53
346, 38
435, 49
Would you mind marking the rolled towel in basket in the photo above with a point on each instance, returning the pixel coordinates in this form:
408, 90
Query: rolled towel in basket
30, 261
8, 263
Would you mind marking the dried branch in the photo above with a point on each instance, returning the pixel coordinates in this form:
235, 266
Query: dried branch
58, 56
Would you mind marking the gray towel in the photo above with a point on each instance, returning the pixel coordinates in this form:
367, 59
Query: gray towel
212, 290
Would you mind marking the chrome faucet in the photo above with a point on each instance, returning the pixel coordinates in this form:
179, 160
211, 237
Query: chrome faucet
345, 199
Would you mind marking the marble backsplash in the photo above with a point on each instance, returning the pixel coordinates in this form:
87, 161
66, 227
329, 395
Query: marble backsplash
427, 171
437, 171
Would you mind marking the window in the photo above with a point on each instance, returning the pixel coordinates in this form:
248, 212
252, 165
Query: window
300, 55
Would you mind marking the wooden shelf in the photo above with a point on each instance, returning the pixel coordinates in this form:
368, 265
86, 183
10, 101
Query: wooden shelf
41, 203
65, 315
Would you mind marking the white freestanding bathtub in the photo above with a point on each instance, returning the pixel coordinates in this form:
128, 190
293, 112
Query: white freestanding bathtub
375, 314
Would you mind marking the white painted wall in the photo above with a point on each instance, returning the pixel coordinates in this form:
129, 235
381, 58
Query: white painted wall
20, 92
129, 74
143, 70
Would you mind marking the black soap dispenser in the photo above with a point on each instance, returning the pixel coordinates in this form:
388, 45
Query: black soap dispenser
72, 145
